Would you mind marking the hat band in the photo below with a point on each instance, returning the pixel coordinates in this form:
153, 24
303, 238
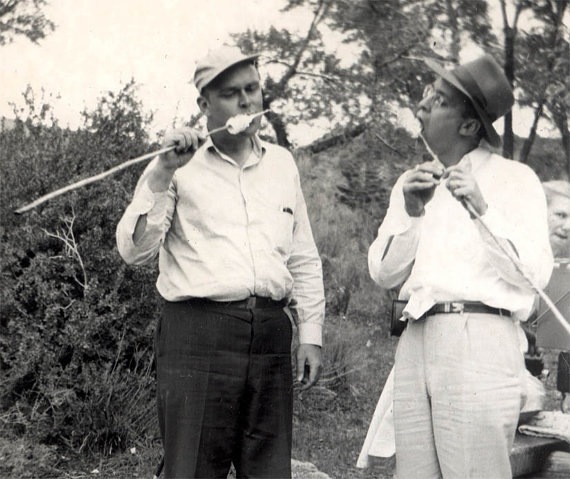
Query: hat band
472, 87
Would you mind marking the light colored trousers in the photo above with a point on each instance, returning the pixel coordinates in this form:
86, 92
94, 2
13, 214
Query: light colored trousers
457, 396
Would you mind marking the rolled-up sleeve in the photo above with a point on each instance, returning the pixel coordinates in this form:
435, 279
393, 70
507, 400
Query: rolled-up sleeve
158, 208
304, 264
391, 255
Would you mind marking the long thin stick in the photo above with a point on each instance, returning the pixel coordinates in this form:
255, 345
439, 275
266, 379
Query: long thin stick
532, 284
471, 209
122, 166
92, 179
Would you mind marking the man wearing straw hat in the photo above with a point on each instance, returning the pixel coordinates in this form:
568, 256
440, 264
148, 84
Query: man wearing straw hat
236, 257
458, 366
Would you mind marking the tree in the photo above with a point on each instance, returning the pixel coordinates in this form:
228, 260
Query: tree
313, 84
302, 73
510, 31
24, 18
544, 78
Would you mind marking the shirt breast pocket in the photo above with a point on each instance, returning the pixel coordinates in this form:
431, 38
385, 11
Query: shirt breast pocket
282, 226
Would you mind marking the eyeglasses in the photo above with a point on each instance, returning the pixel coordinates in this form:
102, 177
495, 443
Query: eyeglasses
436, 98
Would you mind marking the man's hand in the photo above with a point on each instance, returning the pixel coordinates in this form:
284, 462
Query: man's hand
463, 187
419, 186
309, 365
187, 141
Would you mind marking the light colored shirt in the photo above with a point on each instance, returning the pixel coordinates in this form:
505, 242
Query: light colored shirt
226, 232
444, 255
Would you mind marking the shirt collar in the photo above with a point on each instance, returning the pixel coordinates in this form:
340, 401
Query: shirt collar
258, 150
475, 159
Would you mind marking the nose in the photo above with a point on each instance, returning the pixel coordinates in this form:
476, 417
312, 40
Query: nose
244, 100
424, 104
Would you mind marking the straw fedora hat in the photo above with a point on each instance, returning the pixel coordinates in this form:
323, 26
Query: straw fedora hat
485, 84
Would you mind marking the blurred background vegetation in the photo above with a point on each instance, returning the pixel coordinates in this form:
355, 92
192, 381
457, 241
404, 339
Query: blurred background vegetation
76, 324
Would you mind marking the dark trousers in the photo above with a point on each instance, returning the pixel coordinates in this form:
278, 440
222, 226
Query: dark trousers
224, 391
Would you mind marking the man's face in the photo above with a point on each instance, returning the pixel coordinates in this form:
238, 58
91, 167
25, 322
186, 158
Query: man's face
559, 226
238, 91
441, 113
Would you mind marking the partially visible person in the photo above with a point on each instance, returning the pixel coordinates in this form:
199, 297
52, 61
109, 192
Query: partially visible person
558, 198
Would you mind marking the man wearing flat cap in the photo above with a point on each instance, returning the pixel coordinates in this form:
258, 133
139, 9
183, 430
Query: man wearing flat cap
458, 366
237, 259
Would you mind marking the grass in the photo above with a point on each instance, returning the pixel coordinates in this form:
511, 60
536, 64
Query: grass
329, 430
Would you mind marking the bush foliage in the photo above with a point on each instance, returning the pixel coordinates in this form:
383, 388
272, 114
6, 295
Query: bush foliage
76, 325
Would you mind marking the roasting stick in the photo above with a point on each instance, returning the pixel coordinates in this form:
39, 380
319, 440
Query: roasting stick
516, 264
234, 125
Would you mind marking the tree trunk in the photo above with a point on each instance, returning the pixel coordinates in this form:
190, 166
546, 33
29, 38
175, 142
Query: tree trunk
279, 128
455, 39
523, 157
561, 121
508, 140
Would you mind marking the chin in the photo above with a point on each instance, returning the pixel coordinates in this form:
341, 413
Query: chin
560, 247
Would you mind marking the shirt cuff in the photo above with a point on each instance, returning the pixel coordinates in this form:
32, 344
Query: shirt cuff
310, 333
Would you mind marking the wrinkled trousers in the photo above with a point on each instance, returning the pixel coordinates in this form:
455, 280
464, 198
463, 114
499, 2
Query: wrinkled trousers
224, 391
457, 396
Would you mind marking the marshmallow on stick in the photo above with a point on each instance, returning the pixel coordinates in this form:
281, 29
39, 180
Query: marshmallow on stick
407, 120
236, 124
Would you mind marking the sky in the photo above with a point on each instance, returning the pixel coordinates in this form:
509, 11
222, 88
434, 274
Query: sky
99, 45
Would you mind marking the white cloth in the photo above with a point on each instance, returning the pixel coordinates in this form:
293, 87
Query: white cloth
380, 440
226, 232
553, 424
446, 256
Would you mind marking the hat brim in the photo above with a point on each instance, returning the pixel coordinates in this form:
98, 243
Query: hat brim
216, 73
491, 134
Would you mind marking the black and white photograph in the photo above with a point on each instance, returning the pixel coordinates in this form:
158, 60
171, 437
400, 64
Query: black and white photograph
285, 239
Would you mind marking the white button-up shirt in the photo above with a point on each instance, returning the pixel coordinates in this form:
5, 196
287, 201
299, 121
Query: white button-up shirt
226, 232
445, 255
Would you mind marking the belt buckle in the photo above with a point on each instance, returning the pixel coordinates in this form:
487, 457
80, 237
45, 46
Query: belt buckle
454, 307
251, 302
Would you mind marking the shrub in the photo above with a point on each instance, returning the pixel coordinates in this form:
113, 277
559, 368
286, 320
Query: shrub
76, 324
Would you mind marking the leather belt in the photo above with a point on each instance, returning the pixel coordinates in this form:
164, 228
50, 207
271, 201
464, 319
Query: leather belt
253, 302
466, 307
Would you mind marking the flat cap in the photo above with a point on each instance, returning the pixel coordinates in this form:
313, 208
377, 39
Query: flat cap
216, 62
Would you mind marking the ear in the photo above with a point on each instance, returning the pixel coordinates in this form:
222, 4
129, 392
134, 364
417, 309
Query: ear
203, 104
469, 127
